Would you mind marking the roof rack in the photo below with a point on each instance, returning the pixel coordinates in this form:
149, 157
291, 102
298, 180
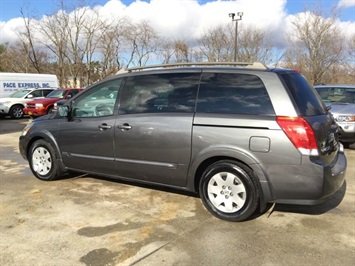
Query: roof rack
253, 65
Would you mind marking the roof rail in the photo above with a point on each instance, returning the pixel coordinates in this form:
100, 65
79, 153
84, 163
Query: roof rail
254, 65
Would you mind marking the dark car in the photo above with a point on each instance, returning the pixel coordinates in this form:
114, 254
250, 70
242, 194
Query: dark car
239, 135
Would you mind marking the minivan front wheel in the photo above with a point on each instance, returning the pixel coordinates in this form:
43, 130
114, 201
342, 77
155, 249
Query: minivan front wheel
42, 160
229, 191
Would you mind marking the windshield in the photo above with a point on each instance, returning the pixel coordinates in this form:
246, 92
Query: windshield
337, 94
56, 94
19, 94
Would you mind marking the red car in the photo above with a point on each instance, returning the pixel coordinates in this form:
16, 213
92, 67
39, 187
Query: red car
43, 106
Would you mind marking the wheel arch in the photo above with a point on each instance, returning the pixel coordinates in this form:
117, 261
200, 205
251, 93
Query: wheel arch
21, 105
49, 107
48, 137
212, 155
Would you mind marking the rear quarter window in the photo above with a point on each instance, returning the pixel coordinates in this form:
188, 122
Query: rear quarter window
232, 93
307, 100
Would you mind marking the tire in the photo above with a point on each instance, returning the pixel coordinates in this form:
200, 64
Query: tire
16, 111
43, 163
229, 190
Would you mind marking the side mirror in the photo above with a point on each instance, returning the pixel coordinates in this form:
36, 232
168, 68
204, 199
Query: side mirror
63, 110
30, 96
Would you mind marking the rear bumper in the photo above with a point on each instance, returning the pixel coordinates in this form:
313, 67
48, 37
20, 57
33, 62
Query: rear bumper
307, 184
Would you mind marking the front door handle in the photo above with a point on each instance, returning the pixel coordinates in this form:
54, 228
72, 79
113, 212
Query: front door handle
104, 126
124, 127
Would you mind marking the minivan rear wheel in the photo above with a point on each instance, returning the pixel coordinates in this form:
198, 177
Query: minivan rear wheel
42, 160
229, 191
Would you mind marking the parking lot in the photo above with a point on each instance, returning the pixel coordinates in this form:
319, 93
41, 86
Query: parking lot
87, 220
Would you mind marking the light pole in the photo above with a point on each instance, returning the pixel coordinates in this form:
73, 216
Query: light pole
232, 15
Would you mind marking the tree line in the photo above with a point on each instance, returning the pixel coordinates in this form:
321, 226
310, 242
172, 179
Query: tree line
83, 47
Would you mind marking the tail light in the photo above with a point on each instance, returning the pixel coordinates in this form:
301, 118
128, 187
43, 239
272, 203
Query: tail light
300, 133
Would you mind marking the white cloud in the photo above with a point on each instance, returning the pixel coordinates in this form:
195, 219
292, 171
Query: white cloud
188, 19
346, 3
10, 29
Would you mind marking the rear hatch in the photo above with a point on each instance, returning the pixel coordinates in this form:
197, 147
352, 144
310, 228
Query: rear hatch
309, 105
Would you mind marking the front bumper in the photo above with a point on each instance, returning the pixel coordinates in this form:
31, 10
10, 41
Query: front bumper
34, 112
346, 131
4, 109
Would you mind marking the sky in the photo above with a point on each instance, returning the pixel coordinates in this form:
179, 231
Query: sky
183, 19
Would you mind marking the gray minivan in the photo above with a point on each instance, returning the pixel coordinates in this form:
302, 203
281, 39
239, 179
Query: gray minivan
238, 135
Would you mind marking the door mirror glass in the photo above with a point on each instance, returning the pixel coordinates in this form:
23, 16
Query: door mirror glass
63, 110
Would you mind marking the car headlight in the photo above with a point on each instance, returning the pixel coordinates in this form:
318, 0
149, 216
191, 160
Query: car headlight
26, 129
39, 105
345, 118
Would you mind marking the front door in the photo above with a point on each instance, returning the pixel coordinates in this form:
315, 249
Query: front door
86, 141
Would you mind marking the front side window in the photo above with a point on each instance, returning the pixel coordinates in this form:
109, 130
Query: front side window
98, 101
72, 93
174, 92
56, 94
231, 93
36, 93
46, 92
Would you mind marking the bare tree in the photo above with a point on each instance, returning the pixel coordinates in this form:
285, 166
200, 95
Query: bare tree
55, 31
28, 42
351, 56
175, 51
255, 45
141, 42
109, 46
77, 21
166, 50
316, 43
217, 44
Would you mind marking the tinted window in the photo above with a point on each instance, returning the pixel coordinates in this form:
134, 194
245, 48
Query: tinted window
46, 92
230, 93
72, 93
37, 93
160, 93
307, 100
57, 94
98, 101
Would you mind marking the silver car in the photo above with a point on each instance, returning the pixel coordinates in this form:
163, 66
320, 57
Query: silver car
341, 100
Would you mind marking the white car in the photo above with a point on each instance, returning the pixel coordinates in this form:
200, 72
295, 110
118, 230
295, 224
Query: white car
13, 105
341, 100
